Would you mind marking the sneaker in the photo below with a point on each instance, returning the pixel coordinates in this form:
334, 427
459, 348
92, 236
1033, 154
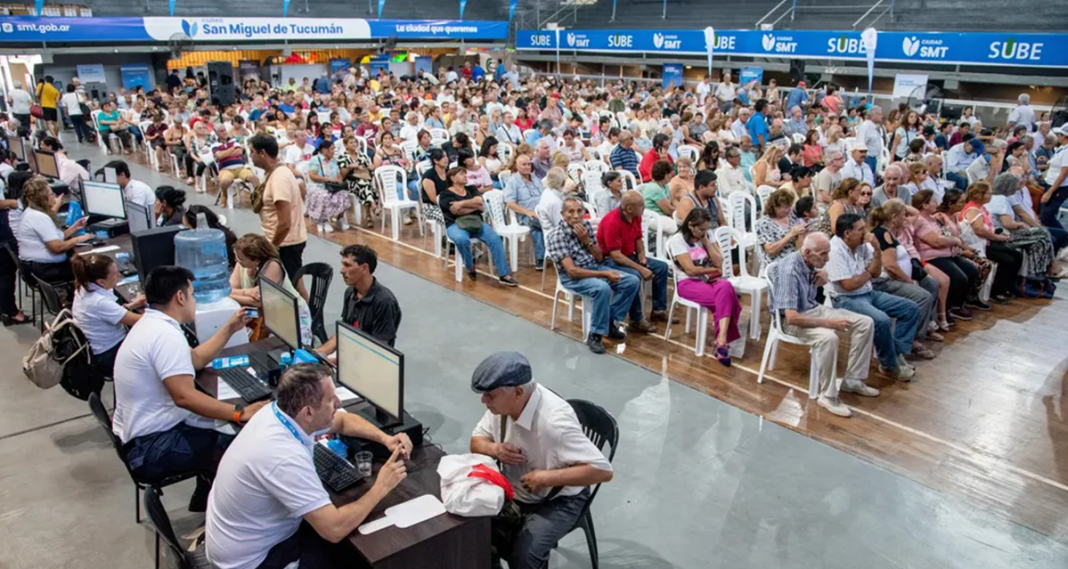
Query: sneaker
902, 362
835, 406
614, 333
859, 387
509, 281
472, 274
921, 351
595, 344
977, 304
961, 313
643, 326
408, 220
320, 227
328, 228
899, 373
539, 266
935, 337
661, 316
343, 223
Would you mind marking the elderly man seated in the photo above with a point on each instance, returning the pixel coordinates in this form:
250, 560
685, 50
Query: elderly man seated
959, 157
230, 159
891, 188
857, 167
852, 266
624, 157
582, 270
539, 442
794, 280
732, 176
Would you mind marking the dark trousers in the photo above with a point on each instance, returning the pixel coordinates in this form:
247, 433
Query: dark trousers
192, 171
8, 286
1009, 261
181, 449
78, 122
24, 121
309, 548
962, 278
50, 273
543, 526
292, 257
104, 362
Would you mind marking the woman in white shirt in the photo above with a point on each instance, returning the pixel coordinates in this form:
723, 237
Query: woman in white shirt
72, 104
97, 311
43, 246
477, 174
1033, 242
573, 148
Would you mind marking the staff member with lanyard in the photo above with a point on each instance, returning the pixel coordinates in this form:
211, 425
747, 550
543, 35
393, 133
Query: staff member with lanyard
266, 487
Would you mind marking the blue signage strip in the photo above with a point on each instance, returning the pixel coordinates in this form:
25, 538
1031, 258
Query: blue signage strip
33, 29
1029, 50
672, 75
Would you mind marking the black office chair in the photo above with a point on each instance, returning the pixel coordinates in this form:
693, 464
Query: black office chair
601, 428
321, 274
102, 417
9, 250
50, 300
157, 514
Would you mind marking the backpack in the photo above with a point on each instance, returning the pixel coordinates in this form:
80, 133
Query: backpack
62, 355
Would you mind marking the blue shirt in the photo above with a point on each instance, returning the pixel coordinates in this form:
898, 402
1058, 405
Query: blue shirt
478, 73
533, 137
255, 115
625, 158
796, 98
287, 109
757, 125
499, 72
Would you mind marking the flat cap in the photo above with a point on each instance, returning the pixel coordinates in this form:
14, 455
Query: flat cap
502, 369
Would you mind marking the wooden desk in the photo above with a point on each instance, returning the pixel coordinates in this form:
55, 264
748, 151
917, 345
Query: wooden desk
444, 542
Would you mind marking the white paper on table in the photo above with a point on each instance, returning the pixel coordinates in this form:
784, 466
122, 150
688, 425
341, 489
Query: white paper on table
407, 514
100, 250
346, 396
226, 392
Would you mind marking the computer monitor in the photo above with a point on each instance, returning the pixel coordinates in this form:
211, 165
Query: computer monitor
373, 371
47, 165
103, 199
138, 217
15, 144
153, 248
280, 316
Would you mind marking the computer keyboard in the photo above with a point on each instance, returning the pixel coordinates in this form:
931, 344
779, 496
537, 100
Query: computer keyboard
337, 473
249, 388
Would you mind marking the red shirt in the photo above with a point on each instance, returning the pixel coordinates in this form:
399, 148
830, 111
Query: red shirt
645, 168
614, 234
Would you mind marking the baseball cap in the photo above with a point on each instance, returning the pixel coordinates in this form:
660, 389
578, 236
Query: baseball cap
1061, 130
976, 144
801, 84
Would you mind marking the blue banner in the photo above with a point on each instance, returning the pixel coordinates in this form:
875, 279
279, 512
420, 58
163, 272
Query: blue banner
1025, 50
672, 75
170, 4
339, 64
747, 74
135, 74
34, 30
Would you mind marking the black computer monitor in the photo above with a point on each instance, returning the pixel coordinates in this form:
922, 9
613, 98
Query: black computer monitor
15, 144
280, 314
372, 370
138, 216
103, 199
47, 165
153, 248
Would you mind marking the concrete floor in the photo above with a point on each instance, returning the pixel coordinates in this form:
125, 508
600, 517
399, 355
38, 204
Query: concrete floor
699, 484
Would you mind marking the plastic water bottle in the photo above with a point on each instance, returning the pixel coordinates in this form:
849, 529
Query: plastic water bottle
287, 360
203, 251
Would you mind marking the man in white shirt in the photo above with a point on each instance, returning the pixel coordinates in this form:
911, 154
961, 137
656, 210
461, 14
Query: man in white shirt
508, 131
703, 89
166, 425
1023, 114
933, 164
852, 266
21, 101
132, 190
870, 135
267, 485
298, 152
738, 128
829, 178
725, 91
731, 178
539, 442
451, 76
959, 157
410, 131
857, 167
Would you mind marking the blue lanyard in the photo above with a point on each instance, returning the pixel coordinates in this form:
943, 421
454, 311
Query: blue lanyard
285, 422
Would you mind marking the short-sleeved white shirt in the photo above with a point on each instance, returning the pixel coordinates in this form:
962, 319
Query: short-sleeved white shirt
677, 245
1059, 161
1022, 198
846, 264
154, 350
99, 315
551, 438
141, 194
21, 101
999, 206
265, 485
35, 229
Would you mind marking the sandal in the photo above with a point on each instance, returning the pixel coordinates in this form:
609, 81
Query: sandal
723, 355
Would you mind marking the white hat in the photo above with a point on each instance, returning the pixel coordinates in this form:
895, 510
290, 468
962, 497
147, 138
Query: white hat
1061, 130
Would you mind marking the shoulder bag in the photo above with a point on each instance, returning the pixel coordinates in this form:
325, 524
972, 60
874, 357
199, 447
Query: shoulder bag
332, 187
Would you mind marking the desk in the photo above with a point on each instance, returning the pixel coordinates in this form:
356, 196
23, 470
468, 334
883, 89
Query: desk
444, 542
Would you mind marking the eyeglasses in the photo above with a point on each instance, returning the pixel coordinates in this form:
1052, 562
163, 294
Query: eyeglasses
865, 193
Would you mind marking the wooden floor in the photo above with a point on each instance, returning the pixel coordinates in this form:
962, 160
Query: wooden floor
986, 421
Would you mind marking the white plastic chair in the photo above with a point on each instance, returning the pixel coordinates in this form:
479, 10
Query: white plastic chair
153, 160
595, 166
689, 151
702, 313
208, 158
504, 153
438, 136
362, 142
459, 262
386, 178
570, 297
576, 170
764, 192
727, 238
410, 147
776, 335
629, 181
883, 161
740, 202
798, 138
511, 233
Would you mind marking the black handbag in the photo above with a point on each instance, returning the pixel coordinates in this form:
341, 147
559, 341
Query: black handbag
332, 187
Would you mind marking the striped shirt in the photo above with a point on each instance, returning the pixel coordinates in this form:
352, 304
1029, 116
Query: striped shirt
846, 264
626, 159
793, 284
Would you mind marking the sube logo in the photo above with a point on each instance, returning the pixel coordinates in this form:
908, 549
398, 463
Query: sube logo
620, 40
541, 40
776, 44
1016, 51
846, 45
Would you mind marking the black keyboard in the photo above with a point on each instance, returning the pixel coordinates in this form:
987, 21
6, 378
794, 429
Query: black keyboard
337, 473
249, 388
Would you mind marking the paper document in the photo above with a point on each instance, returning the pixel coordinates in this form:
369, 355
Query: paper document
407, 514
226, 392
346, 396
100, 250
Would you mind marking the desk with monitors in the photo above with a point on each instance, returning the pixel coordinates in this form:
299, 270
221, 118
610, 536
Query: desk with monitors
105, 200
139, 217
373, 371
47, 164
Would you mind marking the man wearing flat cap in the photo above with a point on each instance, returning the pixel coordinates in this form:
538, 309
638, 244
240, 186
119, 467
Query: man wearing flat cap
539, 444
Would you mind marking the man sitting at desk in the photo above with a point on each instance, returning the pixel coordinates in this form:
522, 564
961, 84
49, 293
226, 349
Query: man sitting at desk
267, 482
369, 305
165, 424
134, 191
537, 439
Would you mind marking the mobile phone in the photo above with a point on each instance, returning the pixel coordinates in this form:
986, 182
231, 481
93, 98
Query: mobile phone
252, 313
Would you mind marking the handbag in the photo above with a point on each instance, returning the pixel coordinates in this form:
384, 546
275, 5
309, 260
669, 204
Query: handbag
37, 112
332, 187
471, 222
917, 270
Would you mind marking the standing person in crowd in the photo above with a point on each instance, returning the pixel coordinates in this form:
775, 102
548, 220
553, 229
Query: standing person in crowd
48, 96
852, 266
870, 135
1054, 196
10, 220
794, 281
462, 207
72, 104
619, 237
97, 311
582, 270
700, 260
21, 102
282, 213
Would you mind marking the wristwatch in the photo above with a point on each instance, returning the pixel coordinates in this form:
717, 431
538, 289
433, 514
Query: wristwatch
238, 408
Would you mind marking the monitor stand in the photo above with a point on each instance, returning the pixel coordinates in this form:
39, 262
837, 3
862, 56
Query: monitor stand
376, 417
409, 426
